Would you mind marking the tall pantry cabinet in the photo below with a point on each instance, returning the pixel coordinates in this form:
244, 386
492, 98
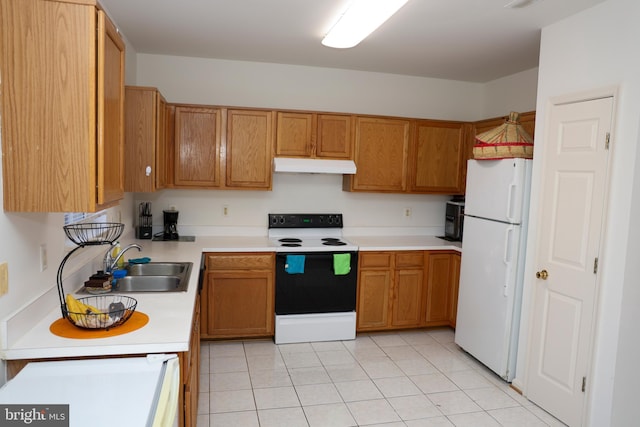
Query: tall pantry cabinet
62, 86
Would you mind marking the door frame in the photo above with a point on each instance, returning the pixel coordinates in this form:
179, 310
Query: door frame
522, 373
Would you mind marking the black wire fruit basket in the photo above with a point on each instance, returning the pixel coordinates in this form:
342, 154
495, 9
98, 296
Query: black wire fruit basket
96, 312
94, 233
99, 312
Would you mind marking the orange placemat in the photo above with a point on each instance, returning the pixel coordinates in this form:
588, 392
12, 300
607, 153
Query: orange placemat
63, 328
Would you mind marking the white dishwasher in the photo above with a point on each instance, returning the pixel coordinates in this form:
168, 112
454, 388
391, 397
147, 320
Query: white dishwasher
132, 391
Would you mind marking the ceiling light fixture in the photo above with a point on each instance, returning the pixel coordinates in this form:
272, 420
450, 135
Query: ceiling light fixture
360, 19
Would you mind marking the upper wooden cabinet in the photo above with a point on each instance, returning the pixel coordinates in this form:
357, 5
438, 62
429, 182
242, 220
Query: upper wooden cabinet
196, 154
145, 139
381, 153
314, 135
438, 157
249, 149
216, 148
62, 68
409, 156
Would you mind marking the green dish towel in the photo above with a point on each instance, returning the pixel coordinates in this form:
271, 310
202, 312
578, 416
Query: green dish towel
341, 264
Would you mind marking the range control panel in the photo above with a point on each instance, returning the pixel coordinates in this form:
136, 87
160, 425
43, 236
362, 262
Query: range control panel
305, 220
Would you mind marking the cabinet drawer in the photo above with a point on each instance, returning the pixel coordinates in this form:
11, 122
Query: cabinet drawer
240, 261
375, 259
409, 259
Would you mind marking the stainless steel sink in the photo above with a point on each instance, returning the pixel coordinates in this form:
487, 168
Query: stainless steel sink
158, 269
155, 277
150, 284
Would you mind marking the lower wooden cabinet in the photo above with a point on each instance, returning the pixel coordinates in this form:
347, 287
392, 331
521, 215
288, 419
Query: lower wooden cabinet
407, 289
374, 290
238, 295
453, 292
190, 374
442, 288
390, 288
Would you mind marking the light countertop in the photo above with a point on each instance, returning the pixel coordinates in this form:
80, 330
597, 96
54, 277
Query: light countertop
170, 314
403, 243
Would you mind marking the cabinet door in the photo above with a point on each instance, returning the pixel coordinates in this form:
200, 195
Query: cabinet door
453, 291
374, 287
197, 147
192, 375
439, 279
438, 157
249, 150
110, 118
145, 128
240, 303
295, 133
334, 136
381, 150
161, 143
407, 294
62, 107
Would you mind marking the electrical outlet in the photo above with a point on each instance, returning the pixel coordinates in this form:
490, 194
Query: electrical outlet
225, 210
407, 212
43, 257
4, 278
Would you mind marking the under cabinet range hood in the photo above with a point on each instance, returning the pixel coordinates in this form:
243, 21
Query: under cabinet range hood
289, 164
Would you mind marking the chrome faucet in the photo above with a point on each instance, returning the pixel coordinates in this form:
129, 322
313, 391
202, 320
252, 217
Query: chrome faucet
110, 262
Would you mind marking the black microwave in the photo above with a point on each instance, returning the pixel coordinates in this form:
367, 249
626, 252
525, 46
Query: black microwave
453, 221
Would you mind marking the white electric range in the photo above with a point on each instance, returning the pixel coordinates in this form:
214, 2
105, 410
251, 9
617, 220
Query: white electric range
316, 278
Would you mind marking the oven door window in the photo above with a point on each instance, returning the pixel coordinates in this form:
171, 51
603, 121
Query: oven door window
318, 289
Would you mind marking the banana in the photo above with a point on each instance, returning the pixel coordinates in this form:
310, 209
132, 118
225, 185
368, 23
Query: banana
77, 312
72, 308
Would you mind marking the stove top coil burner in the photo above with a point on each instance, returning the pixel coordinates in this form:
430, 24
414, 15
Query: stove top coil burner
290, 242
332, 241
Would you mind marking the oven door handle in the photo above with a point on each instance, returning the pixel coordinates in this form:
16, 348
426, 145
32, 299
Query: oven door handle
314, 255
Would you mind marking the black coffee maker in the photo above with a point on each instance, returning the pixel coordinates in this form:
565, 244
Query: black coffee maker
170, 225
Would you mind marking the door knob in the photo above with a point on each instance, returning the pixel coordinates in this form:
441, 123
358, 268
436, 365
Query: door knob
542, 274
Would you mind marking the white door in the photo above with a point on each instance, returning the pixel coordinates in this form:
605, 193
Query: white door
496, 189
569, 228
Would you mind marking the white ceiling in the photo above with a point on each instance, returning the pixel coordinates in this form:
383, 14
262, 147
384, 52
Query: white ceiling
468, 40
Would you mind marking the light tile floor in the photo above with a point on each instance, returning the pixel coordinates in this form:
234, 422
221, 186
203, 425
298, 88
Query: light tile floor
410, 378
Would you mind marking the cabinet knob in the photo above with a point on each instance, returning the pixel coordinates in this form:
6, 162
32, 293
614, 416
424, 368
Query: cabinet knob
542, 274
147, 171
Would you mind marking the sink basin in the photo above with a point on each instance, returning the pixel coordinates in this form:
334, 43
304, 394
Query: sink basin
155, 277
158, 269
151, 284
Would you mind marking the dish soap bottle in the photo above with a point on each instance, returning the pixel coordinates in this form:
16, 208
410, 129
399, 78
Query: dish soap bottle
115, 252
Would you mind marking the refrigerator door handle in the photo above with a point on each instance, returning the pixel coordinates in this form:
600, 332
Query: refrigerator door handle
510, 194
507, 258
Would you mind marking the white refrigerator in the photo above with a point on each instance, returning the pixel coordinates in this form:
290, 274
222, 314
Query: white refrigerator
492, 264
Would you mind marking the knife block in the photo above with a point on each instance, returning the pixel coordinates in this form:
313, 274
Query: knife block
143, 232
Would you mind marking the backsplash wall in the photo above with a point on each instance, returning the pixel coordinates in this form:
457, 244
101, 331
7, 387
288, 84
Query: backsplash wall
201, 211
